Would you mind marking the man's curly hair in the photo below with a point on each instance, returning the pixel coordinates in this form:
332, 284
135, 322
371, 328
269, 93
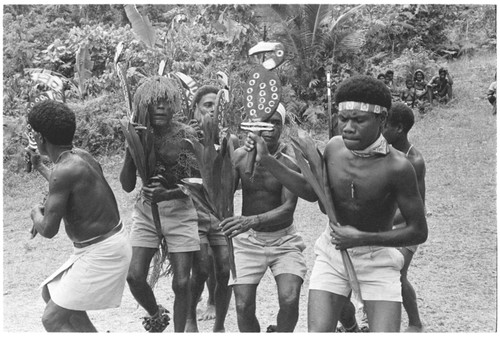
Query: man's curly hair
365, 89
204, 90
54, 120
400, 113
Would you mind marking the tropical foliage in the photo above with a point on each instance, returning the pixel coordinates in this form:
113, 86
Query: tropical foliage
78, 42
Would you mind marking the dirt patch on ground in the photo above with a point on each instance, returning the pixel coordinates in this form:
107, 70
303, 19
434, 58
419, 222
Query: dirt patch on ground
454, 272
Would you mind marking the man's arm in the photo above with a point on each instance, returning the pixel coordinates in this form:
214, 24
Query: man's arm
292, 180
128, 174
239, 224
47, 218
36, 161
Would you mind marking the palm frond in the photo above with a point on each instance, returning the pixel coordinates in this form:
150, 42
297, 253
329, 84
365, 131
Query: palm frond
337, 22
315, 14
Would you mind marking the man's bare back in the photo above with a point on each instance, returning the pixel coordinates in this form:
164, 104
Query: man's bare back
79, 177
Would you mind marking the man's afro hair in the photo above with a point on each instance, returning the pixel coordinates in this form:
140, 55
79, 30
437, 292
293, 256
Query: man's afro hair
54, 120
365, 89
204, 90
400, 113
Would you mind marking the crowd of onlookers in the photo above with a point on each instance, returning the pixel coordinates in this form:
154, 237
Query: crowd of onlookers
418, 92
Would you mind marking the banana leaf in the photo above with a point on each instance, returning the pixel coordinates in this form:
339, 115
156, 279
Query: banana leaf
83, 67
313, 167
141, 26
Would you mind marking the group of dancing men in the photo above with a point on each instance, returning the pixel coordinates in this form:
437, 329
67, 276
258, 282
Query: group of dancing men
375, 175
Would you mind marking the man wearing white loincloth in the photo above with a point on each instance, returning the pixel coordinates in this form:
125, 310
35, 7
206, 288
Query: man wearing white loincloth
94, 276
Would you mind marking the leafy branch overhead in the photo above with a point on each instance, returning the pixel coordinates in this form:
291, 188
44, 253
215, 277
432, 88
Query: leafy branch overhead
141, 26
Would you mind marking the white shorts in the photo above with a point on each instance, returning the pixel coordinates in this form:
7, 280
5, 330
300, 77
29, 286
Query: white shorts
378, 270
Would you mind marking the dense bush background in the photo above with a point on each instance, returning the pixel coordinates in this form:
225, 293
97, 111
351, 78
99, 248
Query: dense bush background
200, 40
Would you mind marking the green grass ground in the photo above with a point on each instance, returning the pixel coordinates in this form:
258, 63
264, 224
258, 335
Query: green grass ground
454, 272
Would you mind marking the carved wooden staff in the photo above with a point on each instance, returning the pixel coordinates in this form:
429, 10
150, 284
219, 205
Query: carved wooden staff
262, 93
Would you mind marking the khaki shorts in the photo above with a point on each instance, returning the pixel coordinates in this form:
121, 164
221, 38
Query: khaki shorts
179, 224
378, 270
255, 251
208, 229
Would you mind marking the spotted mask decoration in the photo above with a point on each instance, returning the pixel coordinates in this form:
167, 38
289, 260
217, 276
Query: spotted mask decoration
262, 94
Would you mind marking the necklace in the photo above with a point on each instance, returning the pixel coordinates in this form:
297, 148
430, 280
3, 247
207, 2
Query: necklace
70, 149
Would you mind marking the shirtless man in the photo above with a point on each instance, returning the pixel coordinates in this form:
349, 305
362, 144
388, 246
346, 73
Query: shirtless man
211, 238
368, 182
264, 237
440, 87
94, 276
159, 98
399, 122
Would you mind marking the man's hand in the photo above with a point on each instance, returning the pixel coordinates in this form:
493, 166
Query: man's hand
254, 141
154, 192
37, 213
236, 225
196, 126
344, 237
34, 157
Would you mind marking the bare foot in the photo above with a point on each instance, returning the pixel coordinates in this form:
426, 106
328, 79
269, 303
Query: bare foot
191, 325
208, 314
413, 328
221, 330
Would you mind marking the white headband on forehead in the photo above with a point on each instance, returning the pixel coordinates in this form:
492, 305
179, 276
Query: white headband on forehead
350, 105
282, 111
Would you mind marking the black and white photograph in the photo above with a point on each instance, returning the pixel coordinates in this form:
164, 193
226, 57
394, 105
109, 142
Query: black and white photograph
218, 167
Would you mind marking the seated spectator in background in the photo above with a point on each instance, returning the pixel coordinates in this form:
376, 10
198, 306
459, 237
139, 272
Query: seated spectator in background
408, 95
492, 95
381, 77
419, 84
389, 81
389, 77
440, 87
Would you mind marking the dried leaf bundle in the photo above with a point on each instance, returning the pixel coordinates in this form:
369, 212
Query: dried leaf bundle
313, 167
216, 168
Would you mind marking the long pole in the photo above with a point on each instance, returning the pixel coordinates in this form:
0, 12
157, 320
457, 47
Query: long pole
329, 94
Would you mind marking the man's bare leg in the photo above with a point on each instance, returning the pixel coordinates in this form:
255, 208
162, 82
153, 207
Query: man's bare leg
409, 295
348, 318
181, 265
59, 319
196, 283
383, 316
222, 289
245, 295
211, 284
289, 296
137, 278
323, 310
